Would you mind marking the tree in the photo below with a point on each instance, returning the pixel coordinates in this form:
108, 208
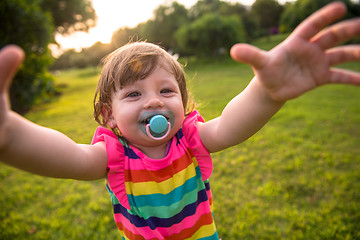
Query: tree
203, 7
248, 20
124, 35
295, 12
31, 25
224, 8
166, 21
268, 13
70, 15
210, 35
91, 56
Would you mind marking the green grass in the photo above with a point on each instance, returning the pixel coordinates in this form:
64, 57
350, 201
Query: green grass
297, 178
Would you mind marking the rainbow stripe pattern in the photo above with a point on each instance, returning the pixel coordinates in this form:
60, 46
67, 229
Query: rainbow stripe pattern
167, 198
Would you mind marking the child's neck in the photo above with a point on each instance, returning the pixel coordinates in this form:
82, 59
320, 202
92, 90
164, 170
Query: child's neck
156, 152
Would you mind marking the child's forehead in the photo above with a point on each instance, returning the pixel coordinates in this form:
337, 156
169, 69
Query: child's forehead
136, 67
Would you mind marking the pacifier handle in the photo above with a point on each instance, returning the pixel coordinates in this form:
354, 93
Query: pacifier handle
157, 138
156, 126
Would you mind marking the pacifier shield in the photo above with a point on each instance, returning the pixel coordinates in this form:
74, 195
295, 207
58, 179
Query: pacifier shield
158, 124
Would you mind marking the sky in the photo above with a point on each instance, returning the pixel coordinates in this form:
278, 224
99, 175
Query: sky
126, 13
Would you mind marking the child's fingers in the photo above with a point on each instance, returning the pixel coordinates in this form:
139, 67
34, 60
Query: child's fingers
320, 19
344, 77
10, 58
249, 54
344, 54
338, 33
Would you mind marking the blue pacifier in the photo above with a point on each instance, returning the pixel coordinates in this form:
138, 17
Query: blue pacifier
158, 124
158, 127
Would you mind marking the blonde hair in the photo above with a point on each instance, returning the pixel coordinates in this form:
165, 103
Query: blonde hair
130, 63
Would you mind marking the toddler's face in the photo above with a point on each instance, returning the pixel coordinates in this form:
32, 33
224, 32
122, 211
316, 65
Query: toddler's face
157, 93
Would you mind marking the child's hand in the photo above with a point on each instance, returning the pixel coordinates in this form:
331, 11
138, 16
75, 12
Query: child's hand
303, 61
10, 59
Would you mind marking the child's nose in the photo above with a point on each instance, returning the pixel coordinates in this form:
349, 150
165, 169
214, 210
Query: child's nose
153, 102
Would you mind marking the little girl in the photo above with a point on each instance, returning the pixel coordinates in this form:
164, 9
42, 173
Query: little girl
156, 157
158, 181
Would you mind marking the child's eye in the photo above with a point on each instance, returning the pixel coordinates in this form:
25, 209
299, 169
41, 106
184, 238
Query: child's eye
133, 94
166, 91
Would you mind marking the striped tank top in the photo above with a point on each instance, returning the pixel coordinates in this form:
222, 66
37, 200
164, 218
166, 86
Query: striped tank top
167, 198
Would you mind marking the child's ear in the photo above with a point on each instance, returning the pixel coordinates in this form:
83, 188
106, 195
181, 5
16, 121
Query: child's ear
107, 116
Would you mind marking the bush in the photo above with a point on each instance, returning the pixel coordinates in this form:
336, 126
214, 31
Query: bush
24, 23
211, 35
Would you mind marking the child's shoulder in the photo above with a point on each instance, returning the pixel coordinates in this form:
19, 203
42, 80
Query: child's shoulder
112, 142
101, 133
192, 118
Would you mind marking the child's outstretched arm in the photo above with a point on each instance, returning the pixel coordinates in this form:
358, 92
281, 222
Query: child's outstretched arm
301, 63
37, 149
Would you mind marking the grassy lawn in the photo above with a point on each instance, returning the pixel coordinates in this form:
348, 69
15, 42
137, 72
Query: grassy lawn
297, 178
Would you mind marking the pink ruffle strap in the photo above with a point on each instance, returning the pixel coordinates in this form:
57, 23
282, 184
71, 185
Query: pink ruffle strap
191, 134
116, 163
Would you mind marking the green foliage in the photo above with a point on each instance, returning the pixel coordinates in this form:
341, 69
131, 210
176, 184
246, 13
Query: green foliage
295, 12
268, 13
29, 27
223, 8
91, 56
162, 29
203, 7
70, 15
211, 35
124, 35
205, 29
167, 20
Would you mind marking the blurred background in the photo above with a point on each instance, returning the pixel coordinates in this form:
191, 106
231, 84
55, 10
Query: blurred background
79, 33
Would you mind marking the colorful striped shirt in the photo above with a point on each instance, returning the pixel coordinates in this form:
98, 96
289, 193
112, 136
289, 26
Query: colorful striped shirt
167, 198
